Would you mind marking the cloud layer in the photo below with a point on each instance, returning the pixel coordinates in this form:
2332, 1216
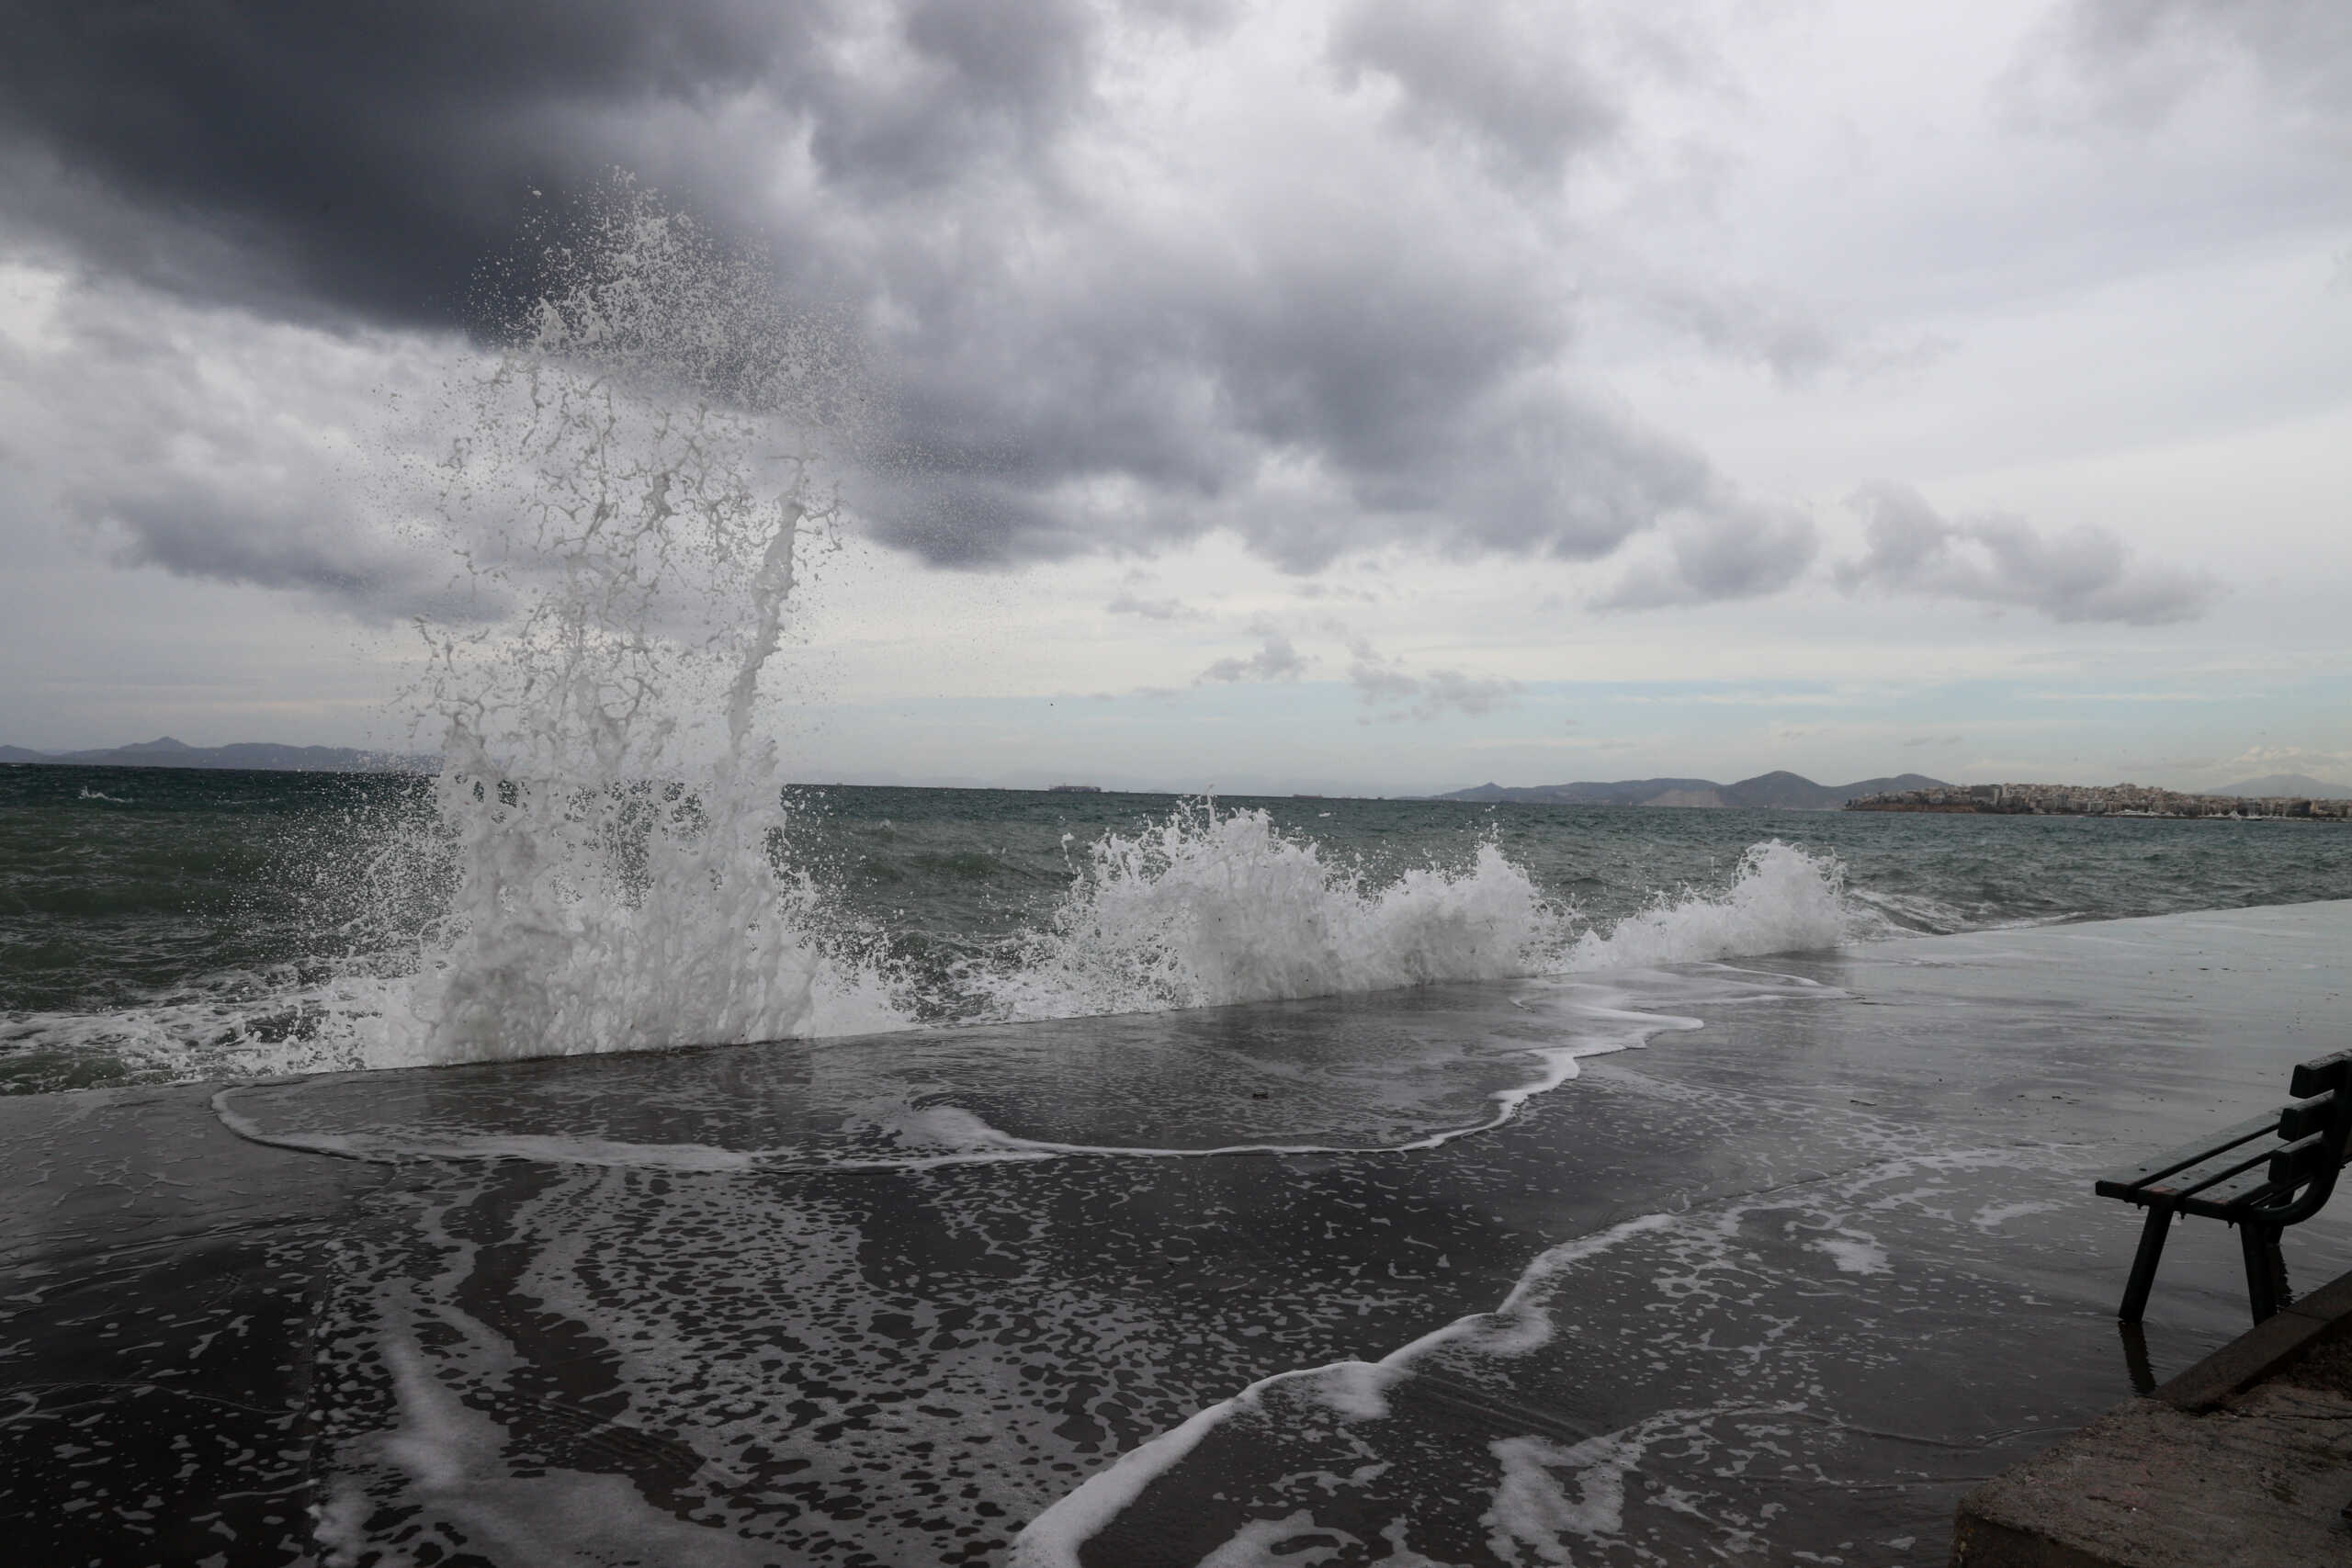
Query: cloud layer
1130, 272
2085, 574
1121, 272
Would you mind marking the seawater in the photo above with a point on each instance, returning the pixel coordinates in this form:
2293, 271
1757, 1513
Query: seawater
1176, 1180
158, 924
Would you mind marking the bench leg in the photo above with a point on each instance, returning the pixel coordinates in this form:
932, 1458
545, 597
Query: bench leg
2144, 1263
2136, 1365
2265, 1267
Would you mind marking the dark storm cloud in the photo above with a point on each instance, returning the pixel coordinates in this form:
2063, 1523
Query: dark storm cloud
1323, 357
369, 157
374, 157
229, 539
2085, 574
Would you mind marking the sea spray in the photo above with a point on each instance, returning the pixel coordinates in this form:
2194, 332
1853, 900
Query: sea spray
1780, 899
1205, 907
638, 477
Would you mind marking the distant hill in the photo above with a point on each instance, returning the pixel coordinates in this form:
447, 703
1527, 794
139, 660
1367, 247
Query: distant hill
1784, 791
259, 755
2302, 784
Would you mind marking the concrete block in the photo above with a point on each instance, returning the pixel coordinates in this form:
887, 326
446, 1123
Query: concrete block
2260, 1483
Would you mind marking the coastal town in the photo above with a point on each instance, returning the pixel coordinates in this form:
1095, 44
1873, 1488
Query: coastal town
2096, 800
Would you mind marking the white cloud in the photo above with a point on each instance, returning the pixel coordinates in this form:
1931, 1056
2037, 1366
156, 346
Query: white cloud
2083, 574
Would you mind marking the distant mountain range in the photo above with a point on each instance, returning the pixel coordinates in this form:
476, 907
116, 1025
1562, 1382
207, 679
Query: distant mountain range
1788, 792
260, 755
2302, 784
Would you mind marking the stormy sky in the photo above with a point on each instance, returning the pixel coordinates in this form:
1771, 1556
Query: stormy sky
1368, 395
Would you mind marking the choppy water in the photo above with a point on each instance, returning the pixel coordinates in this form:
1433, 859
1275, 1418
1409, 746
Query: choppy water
164, 923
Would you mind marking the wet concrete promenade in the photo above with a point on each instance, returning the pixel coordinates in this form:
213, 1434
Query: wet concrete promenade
1791, 1282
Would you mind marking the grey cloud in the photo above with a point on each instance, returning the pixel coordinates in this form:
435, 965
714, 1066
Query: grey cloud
212, 445
1740, 553
2141, 59
1393, 692
1068, 371
1511, 81
1152, 609
1276, 659
271, 542
369, 157
2085, 574
1397, 373
1792, 341
973, 80
373, 158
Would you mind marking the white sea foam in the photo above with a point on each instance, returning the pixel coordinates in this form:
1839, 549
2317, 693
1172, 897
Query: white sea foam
1781, 899
1211, 907
1208, 907
449, 1458
1702, 1253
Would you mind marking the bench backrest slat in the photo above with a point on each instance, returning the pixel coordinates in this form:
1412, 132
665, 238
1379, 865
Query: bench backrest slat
2305, 1117
2321, 1074
2300, 1161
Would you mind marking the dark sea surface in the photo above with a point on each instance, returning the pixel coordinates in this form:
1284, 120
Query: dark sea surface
1031, 1179
141, 907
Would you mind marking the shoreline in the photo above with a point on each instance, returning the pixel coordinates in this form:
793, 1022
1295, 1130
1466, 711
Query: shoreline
2102, 800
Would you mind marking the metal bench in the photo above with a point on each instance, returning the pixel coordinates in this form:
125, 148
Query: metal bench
2260, 1176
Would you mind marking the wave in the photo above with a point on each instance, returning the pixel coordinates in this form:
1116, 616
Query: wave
1206, 908
556, 946
1780, 899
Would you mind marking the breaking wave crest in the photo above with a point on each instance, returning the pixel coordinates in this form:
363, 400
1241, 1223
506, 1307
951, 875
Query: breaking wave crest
1781, 899
1205, 908
704, 934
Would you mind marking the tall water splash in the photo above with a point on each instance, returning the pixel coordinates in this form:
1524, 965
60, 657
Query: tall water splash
639, 471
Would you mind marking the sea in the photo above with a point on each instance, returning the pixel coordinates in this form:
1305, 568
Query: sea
161, 925
1112, 1179
623, 1148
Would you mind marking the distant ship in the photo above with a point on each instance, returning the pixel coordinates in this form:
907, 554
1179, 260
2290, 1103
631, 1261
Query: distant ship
1074, 789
